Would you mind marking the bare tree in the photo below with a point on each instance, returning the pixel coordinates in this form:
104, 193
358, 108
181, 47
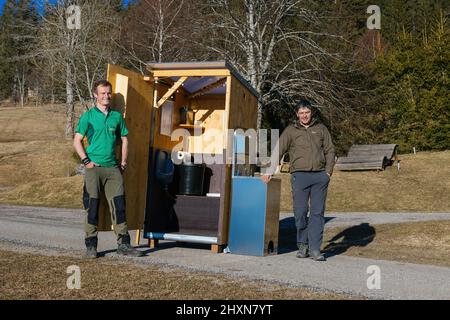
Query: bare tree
78, 56
273, 43
19, 84
156, 30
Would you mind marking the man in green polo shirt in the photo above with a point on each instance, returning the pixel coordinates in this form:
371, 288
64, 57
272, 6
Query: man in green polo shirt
104, 128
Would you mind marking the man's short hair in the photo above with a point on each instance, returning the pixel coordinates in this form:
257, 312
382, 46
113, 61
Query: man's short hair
303, 103
101, 83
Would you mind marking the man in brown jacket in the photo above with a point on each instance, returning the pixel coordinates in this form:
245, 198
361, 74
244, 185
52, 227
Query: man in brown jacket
311, 158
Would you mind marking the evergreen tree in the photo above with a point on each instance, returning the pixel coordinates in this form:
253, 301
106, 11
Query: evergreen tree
411, 16
6, 50
18, 27
414, 89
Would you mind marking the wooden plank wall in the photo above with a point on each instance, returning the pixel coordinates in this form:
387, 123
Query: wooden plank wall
210, 111
162, 141
243, 107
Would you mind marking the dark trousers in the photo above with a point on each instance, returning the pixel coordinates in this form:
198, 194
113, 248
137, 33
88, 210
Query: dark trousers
309, 193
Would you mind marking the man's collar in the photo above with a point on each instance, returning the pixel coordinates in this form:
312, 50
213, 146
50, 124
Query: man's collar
99, 110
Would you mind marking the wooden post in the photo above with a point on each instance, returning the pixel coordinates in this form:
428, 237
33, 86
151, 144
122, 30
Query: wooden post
152, 243
398, 160
138, 236
216, 248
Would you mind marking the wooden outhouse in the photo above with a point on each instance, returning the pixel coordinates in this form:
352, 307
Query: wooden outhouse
196, 97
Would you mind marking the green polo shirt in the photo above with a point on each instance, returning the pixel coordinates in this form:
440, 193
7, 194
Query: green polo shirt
102, 132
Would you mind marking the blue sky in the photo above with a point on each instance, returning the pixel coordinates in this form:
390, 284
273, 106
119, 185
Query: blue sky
41, 3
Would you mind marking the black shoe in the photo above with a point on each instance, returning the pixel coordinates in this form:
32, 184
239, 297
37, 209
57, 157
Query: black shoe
124, 247
302, 251
317, 256
91, 248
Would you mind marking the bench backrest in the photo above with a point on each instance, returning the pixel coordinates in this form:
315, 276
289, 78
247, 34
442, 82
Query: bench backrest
373, 150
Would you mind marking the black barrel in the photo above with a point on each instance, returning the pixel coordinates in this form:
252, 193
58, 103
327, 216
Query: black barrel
191, 177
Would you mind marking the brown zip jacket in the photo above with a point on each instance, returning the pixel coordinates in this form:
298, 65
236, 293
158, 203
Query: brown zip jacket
310, 149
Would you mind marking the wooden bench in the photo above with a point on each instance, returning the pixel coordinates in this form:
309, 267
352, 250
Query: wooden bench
368, 157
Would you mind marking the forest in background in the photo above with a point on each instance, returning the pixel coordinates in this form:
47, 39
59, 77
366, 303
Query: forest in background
372, 86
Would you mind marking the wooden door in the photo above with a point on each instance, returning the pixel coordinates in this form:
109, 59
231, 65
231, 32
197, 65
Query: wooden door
133, 97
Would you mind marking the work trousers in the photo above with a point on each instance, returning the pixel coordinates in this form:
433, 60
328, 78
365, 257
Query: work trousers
109, 180
309, 193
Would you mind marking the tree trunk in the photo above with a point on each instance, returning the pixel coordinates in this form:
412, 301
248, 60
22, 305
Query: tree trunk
22, 88
70, 107
14, 96
161, 33
52, 85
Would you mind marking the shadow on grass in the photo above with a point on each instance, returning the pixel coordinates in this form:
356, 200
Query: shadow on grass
355, 236
360, 235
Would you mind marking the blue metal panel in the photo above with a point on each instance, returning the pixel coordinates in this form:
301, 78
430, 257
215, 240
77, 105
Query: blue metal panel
247, 221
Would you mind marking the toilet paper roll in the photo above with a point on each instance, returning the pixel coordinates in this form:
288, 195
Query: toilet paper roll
181, 155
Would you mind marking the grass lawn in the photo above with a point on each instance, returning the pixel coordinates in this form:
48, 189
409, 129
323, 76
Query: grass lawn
45, 277
37, 166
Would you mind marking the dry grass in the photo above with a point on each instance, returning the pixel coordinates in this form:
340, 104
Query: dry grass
37, 166
41, 123
423, 185
35, 161
43, 277
56, 192
416, 242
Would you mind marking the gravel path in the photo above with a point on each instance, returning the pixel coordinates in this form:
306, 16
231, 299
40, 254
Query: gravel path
59, 232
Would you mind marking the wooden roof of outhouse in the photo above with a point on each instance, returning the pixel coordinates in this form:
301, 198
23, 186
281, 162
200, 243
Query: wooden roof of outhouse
210, 71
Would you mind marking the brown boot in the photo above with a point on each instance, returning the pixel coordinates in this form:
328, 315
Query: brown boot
124, 247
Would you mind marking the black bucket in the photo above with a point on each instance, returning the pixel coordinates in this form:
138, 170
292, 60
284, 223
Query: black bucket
191, 177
